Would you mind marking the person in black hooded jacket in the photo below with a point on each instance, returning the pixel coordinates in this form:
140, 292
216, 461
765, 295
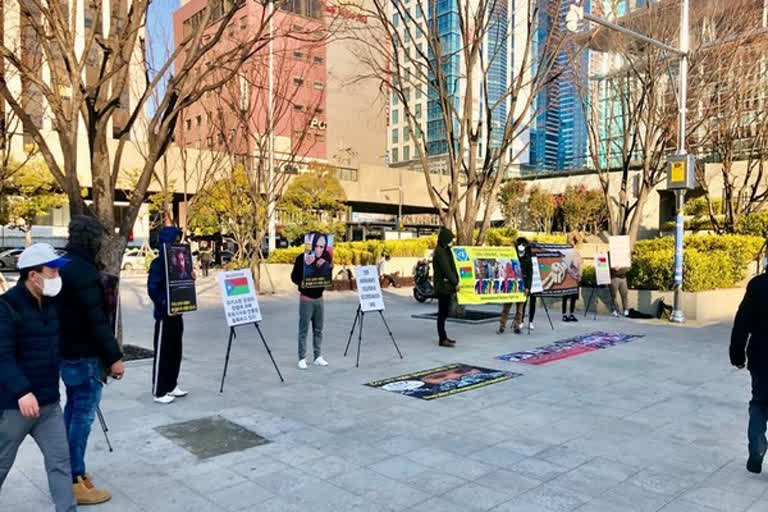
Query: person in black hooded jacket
446, 283
89, 348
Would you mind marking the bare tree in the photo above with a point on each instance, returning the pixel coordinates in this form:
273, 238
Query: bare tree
79, 75
631, 105
481, 67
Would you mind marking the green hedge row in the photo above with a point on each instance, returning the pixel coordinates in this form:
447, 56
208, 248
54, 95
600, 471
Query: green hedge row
709, 262
364, 253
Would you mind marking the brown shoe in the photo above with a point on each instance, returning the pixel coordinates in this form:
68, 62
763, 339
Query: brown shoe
447, 343
87, 494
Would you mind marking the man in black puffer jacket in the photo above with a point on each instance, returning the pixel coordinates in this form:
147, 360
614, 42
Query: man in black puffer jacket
29, 371
88, 347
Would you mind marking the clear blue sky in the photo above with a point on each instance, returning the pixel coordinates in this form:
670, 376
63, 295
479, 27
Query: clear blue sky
160, 37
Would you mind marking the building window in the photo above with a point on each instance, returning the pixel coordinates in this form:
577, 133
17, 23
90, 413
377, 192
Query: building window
395, 98
395, 117
396, 20
298, 82
406, 153
318, 60
417, 111
188, 124
407, 36
407, 93
243, 23
406, 135
298, 55
319, 85
395, 136
209, 141
418, 93
199, 120
394, 155
298, 108
318, 110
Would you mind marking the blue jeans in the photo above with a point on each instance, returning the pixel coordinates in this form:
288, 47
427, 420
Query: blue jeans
82, 378
758, 415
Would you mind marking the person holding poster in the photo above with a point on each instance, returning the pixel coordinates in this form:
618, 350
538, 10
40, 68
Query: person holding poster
572, 266
620, 263
446, 283
512, 283
169, 328
312, 274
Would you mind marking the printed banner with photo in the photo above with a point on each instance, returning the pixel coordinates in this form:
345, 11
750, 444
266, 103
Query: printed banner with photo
179, 279
238, 294
568, 348
369, 288
488, 275
111, 286
620, 252
559, 269
443, 381
602, 269
318, 260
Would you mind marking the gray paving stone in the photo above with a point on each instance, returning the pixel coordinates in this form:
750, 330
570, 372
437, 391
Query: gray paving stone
237, 497
508, 482
720, 499
475, 495
371, 486
539, 469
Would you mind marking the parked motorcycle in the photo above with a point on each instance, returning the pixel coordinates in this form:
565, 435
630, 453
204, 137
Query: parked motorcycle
423, 289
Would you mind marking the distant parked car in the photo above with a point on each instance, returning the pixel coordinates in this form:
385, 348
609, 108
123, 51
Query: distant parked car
8, 258
135, 259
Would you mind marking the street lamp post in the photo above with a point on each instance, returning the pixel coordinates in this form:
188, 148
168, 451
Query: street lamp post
573, 18
271, 223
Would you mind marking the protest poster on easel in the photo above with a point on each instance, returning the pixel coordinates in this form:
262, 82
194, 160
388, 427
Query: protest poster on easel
241, 307
602, 269
537, 289
371, 300
369, 288
180, 283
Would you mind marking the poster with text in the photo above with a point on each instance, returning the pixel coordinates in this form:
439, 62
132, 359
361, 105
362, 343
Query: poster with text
318, 260
238, 293
369, 288
559, 269
180, 282
620, 253
602, 269
535, 276
488, 275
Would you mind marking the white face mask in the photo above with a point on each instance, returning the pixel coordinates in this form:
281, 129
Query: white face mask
521, 248
52, 286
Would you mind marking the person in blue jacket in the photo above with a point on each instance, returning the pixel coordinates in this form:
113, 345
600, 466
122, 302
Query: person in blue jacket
169, 329
29, 371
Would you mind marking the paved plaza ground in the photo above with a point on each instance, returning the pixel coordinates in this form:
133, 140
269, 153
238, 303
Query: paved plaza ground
657, 424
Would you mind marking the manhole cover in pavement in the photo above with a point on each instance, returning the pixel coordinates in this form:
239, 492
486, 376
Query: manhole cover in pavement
211, 436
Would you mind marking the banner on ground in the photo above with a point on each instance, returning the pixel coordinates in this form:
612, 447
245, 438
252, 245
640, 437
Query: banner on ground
488, 275
559, 269
442, 381
602, 269
620, 253
238, 293
369, 288
318, 260
180, 282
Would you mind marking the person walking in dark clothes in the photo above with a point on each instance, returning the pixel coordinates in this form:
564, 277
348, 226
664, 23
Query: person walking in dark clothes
446, 283
29, 372
749, 347
89, 348
169, 329
205, 260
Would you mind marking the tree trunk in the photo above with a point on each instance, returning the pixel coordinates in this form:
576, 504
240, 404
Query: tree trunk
28, 235
111, 254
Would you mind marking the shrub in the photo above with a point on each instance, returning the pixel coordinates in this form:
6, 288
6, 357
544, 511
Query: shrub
549, 238
700, 208
363, 253
755, 224
501, 237
709, 262
588, 277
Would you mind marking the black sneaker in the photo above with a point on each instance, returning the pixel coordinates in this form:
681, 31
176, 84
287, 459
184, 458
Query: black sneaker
566, 318
572, 318
755, 464
517, 330
500, 330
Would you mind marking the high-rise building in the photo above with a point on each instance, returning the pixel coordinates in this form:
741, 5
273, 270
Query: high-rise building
413, 21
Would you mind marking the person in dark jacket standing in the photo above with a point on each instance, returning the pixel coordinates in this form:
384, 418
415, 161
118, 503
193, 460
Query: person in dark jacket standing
446, 283
169, 329
524, 254
311, 309
89, 349
29, 371
749, 346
